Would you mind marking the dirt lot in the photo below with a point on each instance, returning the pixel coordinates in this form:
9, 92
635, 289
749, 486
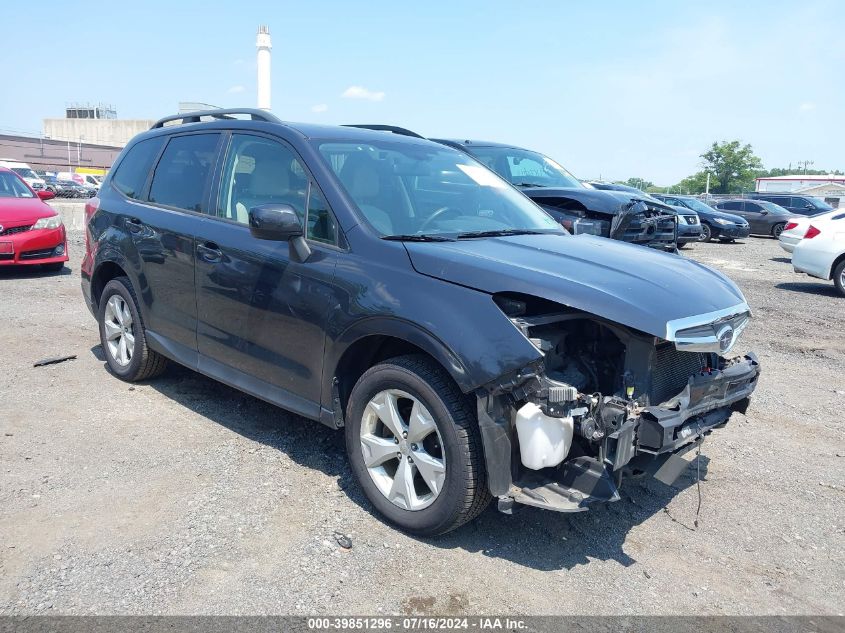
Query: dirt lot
185, 496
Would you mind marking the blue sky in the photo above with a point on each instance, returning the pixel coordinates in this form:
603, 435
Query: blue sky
610, 89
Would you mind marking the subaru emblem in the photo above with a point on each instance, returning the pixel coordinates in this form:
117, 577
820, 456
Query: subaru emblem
726, 338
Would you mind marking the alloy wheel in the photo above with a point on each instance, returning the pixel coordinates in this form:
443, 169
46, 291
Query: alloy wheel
705, 233
402, 449
120, 339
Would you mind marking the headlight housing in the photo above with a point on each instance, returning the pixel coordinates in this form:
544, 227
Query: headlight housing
53, 222
722, 221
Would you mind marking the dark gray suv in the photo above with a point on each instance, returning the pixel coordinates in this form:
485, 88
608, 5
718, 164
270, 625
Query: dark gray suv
398, 289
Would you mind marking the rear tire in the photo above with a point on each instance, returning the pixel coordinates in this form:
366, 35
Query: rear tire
777, 229
413, 381
839, 277
120, 320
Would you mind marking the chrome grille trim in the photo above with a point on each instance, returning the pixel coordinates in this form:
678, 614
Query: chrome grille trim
702, 333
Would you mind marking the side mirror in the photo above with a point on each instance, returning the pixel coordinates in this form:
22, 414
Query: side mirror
279, 222
809, 206
45, 195
764, 212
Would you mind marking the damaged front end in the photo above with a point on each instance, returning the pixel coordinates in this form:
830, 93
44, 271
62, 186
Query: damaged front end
605, 401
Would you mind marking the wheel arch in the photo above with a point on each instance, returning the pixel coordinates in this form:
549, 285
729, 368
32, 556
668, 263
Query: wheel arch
835, 263
373, 341
104, 272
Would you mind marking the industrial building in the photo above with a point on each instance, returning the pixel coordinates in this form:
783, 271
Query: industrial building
829, 187
96, 124
45, 154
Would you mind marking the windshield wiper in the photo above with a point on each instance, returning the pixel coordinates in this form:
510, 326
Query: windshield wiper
498, 233
418, 237
528, 184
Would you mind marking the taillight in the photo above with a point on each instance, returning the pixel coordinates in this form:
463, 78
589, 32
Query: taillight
811, 233
790, 225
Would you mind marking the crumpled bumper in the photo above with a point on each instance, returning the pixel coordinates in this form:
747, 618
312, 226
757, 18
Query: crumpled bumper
649, 442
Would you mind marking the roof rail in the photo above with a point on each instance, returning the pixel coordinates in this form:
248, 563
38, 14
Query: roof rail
222, 113
386, 128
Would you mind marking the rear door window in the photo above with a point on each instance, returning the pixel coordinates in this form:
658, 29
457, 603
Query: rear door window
183, 171
731, 206
132, 172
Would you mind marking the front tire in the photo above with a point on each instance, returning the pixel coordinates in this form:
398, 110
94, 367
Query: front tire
122, 334
839, 277
414, 446
706, 234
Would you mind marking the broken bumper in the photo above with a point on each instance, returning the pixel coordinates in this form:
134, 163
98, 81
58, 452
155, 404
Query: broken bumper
650, 442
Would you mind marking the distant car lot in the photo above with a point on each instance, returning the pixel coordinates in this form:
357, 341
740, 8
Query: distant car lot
185, 496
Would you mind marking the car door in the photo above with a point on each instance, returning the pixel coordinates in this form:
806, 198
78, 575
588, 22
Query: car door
262, 311
753, 213
159, 220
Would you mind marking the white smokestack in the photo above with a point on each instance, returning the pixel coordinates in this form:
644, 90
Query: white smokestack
262, 42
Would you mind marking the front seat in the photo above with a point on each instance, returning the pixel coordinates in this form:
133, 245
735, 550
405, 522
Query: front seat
360, 176
269, 183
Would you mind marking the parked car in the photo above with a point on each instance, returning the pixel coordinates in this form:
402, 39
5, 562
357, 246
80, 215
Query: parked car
715, 225
50, 184
71, 189
31, 232
394, 287
822, 251
35, 182
795, 204
764, 217
797, 226
689, 225
579, 208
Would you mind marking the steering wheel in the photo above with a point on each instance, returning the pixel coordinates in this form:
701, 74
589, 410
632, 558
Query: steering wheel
437, 213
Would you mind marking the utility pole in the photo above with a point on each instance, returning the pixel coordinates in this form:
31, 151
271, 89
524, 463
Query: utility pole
707, 186
804, 164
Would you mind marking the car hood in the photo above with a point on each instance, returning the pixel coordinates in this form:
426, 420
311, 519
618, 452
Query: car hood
627, 284
712, 215
23, 209
599, 200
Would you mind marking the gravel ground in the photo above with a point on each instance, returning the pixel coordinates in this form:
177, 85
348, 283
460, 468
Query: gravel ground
183, 496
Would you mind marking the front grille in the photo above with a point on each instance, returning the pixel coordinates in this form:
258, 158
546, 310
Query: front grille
691, 219
14, 229
672, 370
41, 254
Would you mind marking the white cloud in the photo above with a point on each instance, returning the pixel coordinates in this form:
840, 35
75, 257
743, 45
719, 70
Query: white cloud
807, 106
359, 92
235, 90
320, 107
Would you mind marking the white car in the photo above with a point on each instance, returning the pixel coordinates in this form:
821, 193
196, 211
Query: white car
24, 171
796, 227
822, 251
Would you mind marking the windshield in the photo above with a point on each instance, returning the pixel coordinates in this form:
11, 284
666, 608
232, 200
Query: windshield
821, 205
24, 172
13, 187
524, 168
697, 205
408, 189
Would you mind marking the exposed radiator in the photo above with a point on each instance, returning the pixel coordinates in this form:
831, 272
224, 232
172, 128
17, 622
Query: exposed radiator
672, 370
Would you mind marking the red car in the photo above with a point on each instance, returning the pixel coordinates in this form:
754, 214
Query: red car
31, 232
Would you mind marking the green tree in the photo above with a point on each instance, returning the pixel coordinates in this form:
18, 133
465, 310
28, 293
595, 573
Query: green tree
732, 167
639, 183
